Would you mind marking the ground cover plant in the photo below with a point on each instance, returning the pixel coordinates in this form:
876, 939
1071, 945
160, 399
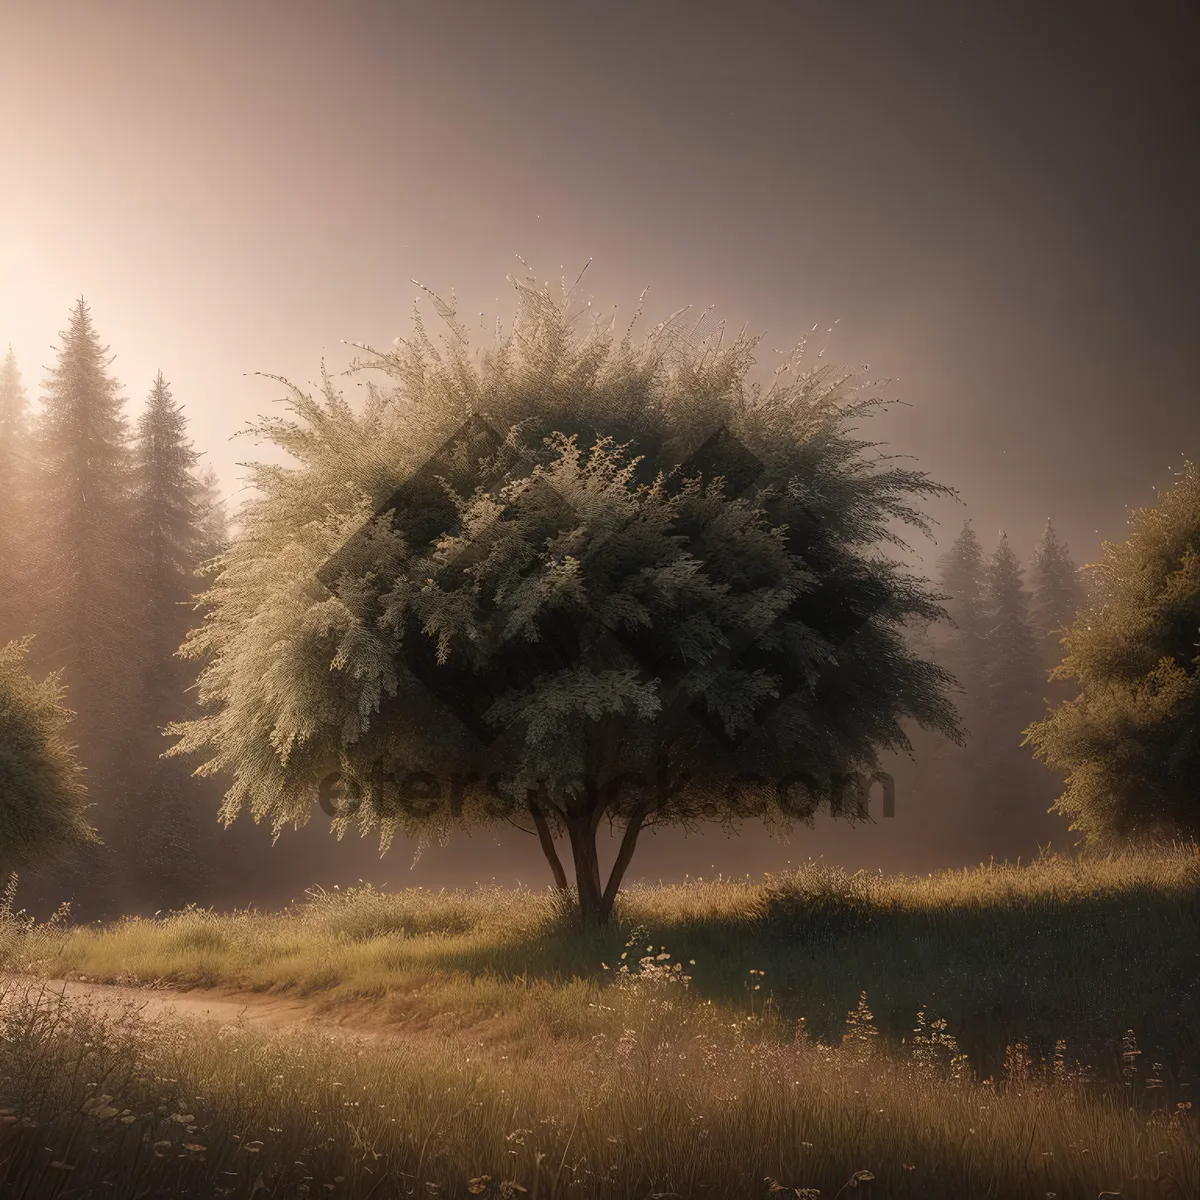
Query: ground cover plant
1006, 1031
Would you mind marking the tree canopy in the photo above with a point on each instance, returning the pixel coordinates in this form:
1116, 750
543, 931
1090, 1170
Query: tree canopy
563, 581
1129, 743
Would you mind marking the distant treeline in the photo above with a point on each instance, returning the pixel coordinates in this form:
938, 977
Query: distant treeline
104, 524
1007, 620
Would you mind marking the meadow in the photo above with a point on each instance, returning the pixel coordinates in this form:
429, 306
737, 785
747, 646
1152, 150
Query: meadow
998, 1032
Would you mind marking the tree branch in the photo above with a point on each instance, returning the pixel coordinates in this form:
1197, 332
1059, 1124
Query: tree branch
547, 841
624, 856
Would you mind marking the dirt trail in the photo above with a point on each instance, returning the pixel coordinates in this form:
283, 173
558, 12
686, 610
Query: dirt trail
222, 1006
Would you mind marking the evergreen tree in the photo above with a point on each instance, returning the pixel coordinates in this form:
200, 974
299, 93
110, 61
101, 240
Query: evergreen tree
15, 452
82, 523
164, 834
81, 510
1013, 792
165, 546
1011, 674
945, 772
1057, 593
1129, 743
962, 645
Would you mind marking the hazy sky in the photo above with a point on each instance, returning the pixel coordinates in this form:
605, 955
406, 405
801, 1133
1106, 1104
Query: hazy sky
996, 202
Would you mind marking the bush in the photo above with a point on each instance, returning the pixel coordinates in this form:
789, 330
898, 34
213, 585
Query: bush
1129, 744
42, 794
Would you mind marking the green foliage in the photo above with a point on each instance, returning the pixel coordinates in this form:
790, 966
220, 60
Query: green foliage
299, 682
1129, 744
42, 794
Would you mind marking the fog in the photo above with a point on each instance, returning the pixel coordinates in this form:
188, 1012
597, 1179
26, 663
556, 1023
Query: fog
992, 206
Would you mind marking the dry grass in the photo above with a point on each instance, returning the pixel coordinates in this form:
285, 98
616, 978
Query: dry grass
1003, 953
569, 1077
665, 1096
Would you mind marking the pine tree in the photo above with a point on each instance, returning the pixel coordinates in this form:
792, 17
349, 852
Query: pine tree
1012, 787
15, 452
81, 510
1011, 674
962, 579
1057, 596
944, 773
166, 546
82, 523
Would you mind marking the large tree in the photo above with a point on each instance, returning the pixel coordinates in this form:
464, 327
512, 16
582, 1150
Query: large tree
15, 473
1129, 743
570, 582
42, 795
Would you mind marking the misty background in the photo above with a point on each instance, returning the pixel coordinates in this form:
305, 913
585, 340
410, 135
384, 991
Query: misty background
992, 207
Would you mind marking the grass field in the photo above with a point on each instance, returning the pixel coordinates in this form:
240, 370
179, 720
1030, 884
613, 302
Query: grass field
724, 1039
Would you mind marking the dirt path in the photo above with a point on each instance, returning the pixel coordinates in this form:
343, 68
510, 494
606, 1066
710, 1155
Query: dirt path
222, 1006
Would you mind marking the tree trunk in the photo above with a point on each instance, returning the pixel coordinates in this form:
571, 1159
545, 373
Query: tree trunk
596, 899
582, 832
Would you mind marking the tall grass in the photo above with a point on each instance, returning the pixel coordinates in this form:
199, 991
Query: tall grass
1088, 948
809, 1033
664, 1095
